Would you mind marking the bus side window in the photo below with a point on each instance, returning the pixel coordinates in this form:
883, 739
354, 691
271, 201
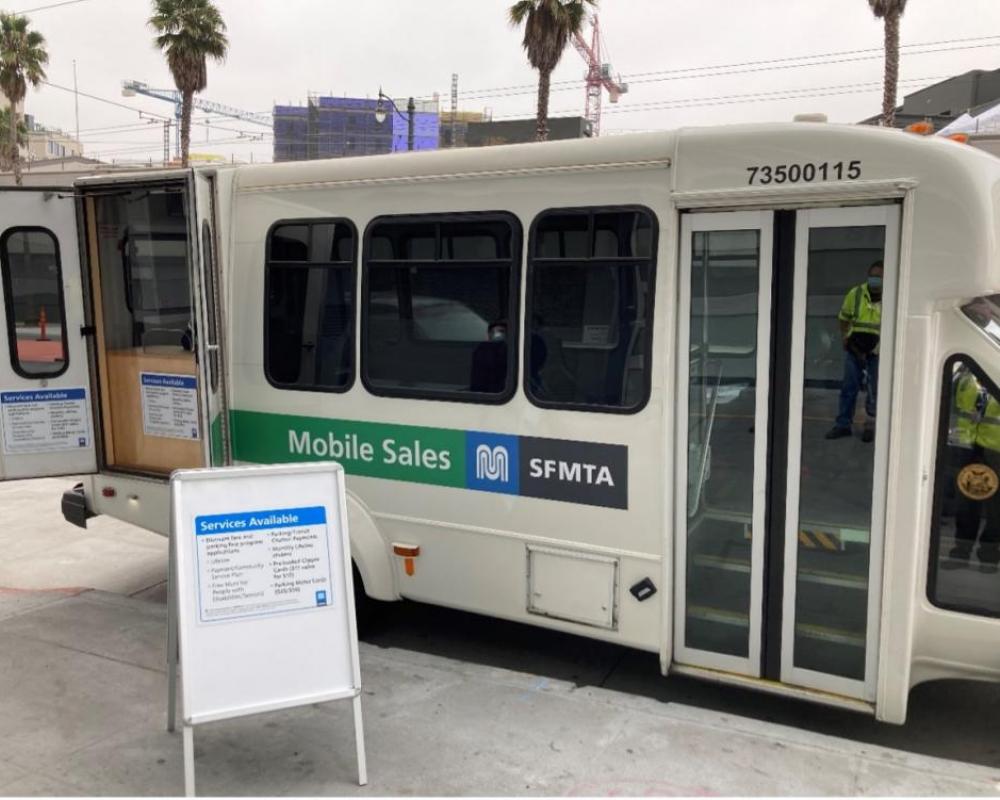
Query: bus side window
309, 327
965, 540
590, 309
33, 288
440, 309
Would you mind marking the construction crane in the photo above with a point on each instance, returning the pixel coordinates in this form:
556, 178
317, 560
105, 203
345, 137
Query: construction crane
598, 76
132, 88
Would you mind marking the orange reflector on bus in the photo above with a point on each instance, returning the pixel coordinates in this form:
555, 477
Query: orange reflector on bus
408, 552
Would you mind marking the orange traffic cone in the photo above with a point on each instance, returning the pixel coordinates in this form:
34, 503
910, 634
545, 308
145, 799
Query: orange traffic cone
41, 326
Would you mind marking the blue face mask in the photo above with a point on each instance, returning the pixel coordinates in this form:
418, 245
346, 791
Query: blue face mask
875, 283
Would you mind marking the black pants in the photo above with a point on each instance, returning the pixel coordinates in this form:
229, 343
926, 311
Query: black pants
969, 516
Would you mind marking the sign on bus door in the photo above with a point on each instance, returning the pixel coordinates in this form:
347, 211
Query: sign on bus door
46, 423
779, 574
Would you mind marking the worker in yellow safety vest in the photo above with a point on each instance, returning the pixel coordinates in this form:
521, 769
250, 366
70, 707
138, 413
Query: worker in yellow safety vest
860, 320
977, 431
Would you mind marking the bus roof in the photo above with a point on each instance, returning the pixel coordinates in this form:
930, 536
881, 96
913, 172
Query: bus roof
682, 148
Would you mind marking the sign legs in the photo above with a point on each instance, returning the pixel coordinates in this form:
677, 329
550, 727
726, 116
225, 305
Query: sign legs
359, 742
188, 761
172, 648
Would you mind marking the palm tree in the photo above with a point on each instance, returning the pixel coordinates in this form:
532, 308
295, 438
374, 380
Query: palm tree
548, 27
890, 11
189, 32
6, 162
22, 61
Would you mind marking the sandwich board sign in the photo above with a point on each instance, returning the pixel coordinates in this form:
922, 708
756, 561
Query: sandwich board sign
261, 595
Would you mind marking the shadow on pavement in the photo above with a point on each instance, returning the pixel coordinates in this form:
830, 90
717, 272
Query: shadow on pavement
957, 720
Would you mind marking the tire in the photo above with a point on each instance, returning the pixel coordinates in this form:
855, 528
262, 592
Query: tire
364, 606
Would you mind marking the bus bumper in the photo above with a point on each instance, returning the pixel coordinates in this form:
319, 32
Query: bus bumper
74, 506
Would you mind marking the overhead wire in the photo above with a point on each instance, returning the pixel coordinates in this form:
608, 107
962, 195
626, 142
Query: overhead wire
143, 112
50, 5
750, 97
744, 67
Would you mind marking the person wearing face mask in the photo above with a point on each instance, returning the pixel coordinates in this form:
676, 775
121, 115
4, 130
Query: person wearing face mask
489, 360
860, 327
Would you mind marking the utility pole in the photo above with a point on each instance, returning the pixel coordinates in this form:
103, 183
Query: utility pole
411, 111
166, 142
76, 99
454, 107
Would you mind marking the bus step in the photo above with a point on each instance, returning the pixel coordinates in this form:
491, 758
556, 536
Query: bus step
741, 564
832, 635
721, 615
732, 564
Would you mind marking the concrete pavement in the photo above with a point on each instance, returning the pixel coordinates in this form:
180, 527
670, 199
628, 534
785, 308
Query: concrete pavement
83, 692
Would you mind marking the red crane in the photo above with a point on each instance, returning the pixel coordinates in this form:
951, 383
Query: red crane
598, 76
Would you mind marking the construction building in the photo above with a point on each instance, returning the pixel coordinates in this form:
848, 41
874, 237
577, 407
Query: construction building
454, 127
516, 131
335, 127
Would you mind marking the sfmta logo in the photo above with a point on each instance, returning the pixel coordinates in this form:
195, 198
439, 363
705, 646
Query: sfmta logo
492, 463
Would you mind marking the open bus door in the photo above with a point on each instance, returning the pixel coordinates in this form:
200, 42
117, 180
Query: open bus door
46, 425
210, 339
157, 362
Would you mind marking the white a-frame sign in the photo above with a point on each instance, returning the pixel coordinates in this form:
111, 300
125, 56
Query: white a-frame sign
261, 596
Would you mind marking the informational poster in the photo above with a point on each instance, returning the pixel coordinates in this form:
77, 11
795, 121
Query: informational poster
261, 597
170, 405
44, 420
253, 563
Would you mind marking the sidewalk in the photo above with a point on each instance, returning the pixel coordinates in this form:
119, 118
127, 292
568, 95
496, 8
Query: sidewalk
84, 688
83, 695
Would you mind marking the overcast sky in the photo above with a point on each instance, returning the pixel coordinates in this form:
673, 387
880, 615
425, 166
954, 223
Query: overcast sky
283, 49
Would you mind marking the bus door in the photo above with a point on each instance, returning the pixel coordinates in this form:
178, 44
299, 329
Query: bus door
783, 441
209, 342
46, 425
142, 260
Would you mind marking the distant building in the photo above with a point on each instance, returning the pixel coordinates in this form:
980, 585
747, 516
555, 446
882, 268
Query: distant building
335, 127
454, 129
63, 171
945, 101
45, 143
517, 131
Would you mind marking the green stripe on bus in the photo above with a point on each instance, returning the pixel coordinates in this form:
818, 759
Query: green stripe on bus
370, 449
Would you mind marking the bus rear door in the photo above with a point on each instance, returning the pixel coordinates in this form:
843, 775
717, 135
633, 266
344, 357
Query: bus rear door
46, 424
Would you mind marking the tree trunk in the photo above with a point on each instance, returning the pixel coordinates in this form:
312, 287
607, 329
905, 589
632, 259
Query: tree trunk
891, 68
542, 130
15, 157
187, 102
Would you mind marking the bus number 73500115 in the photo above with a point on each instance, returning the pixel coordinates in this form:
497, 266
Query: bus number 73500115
804, 173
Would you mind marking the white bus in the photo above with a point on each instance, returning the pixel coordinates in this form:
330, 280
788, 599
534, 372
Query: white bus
584, 385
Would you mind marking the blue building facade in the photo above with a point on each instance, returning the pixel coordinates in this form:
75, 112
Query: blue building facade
339, 127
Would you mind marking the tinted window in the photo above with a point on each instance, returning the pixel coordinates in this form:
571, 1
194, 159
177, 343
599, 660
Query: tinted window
965, 541
590, 309
143, 252
441, 307
309, 333
32, 280
985, 312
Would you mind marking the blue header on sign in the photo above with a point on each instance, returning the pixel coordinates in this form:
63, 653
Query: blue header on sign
43, 396
169, 381
248, 521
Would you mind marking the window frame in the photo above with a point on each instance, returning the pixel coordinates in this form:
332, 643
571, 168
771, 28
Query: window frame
940, 452
8, 294
531, 261
352, 324
513, 308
